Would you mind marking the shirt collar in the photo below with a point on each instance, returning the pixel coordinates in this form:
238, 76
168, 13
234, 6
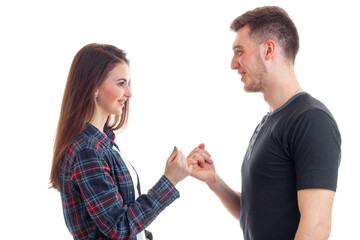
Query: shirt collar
107, 137
110, 133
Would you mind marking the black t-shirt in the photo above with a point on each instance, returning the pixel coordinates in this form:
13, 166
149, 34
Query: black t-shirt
295, 147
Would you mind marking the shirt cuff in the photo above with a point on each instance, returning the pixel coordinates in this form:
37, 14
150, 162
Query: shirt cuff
164, 192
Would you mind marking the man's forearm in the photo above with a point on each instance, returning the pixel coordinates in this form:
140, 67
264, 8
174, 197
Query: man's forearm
228, 197
313, 231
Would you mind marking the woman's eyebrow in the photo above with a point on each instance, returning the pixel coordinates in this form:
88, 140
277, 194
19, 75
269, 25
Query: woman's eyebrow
121, 79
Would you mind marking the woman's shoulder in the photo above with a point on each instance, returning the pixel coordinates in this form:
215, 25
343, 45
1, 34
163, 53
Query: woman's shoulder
88, 140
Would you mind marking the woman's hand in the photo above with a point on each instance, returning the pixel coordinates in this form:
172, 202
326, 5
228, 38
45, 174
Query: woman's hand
177, 167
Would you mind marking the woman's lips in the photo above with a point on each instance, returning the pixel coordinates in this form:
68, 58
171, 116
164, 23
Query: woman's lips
122, 102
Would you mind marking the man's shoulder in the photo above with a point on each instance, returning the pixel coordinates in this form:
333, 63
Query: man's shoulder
304, 104
304, 109
311, 107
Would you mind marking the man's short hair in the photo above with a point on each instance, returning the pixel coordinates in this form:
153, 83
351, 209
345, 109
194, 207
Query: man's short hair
270, 22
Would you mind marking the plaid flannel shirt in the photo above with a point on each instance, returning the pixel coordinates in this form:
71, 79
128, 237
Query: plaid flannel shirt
97, 191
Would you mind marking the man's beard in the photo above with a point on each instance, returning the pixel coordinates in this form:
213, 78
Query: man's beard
259, 80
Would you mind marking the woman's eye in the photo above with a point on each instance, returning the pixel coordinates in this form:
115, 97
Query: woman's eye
121, 84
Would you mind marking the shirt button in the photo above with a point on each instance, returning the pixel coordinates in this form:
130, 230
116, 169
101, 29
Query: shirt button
173, 198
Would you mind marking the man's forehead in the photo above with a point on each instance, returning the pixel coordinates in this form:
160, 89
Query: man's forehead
242, 36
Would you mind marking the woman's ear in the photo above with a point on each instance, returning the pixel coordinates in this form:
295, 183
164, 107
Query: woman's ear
96, 93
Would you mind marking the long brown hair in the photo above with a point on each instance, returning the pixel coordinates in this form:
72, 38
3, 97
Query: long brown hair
88, 70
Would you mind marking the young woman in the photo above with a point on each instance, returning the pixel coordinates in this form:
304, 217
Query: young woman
99, 188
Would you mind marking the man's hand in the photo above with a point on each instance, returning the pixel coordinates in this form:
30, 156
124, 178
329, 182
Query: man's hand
204, 170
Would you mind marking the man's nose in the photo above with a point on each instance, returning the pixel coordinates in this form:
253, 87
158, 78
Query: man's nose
234, 64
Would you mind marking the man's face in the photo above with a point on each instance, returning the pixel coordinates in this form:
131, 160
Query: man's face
247, 61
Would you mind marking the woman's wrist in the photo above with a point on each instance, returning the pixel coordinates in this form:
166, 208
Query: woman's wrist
171, 179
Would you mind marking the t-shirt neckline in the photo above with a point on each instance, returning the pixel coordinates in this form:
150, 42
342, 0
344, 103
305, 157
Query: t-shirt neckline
287, 103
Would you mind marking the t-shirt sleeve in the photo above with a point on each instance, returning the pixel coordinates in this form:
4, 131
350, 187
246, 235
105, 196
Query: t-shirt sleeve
316, 144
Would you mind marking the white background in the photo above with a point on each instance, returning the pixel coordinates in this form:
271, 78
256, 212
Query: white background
184, 93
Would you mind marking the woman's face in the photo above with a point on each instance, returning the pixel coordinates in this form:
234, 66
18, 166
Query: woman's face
114, 91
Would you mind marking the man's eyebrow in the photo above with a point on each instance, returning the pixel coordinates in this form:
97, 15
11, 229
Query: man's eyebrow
236, 47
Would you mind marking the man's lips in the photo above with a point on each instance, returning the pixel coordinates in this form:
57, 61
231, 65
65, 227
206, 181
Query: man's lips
242, 76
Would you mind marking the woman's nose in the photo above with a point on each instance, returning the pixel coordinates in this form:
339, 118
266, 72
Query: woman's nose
128, 93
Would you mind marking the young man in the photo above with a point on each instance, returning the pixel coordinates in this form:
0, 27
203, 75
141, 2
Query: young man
289, 172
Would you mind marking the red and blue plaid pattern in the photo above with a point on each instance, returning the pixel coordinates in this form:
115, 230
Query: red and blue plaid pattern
97, 191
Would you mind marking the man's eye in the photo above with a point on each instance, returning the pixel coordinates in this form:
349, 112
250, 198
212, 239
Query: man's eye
239, 52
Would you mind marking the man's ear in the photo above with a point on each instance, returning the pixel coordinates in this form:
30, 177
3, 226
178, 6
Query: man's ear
269, 49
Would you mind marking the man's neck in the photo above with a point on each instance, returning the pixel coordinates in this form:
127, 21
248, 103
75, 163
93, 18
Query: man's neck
282, 88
